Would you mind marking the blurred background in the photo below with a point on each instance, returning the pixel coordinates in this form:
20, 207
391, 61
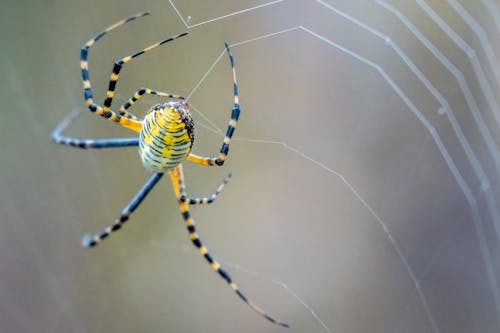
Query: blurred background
366, 168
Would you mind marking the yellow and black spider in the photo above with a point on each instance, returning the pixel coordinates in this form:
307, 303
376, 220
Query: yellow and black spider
165, 140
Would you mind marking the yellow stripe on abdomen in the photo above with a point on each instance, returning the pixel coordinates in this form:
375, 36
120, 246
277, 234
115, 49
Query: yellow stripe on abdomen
166, 136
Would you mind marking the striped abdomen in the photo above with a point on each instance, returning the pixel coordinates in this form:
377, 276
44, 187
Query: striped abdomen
166, 136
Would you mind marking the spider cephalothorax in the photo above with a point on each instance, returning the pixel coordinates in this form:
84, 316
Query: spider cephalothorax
166, 136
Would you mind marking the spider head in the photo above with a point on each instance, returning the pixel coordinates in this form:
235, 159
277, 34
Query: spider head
172, 112
176, 112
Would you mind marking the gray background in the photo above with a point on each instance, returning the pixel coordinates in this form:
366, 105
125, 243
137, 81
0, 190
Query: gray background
353, 198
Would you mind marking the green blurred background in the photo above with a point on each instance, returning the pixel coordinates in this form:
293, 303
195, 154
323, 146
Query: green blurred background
342, 199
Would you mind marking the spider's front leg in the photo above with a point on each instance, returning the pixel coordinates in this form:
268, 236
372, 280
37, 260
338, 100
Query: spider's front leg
138, 94
104, 111
235, 114
119, 64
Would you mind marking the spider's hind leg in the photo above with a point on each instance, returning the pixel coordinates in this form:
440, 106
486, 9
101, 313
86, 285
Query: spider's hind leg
209, 199
91, 240
177, 178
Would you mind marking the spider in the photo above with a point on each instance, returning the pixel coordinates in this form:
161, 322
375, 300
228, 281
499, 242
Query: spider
165, 140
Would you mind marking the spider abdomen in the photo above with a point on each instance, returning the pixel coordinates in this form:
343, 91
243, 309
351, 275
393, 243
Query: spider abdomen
166, 136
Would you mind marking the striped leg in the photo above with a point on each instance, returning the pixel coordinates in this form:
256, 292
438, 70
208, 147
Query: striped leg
177, 178
91, 240
139, 93
209, 199
57, 137
87, 87
119, 64
221, 158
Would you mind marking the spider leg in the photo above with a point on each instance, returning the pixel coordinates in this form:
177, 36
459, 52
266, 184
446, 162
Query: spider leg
57, 137
220, 159
208, 199
177, 178
87, 87
119, 64
91, 240
138, 94
104, 111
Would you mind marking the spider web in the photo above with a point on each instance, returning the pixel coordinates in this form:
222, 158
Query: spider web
475, 187
365, 167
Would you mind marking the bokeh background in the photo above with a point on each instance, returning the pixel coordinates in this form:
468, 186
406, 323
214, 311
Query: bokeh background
365, 195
